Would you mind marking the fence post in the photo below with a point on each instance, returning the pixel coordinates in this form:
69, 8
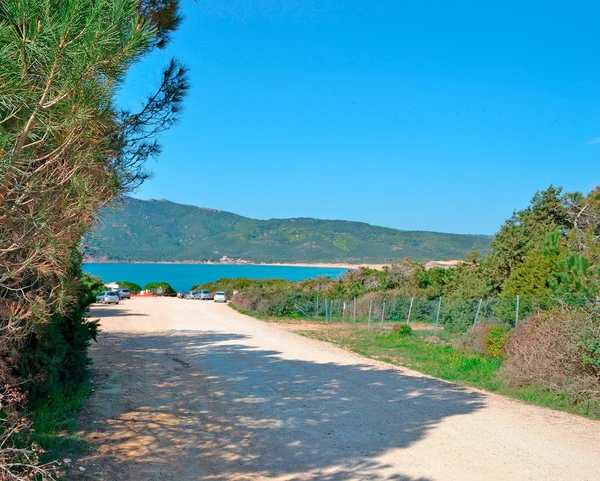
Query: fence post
410, 309
517, 313
326, 318
354, 317
370, 311
343, 312
437, 317
477, 314
382, 314
331, 311
317, 309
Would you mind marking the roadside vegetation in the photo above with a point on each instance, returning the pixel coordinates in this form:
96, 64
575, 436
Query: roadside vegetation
132, 286
164, 287
66, 151
229, 285
522, 319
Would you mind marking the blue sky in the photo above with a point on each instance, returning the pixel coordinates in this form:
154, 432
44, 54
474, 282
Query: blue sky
422, 115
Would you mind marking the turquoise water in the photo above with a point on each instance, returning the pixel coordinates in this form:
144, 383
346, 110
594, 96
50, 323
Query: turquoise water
183, 276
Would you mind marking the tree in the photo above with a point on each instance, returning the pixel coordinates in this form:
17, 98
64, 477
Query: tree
434, 281
66, 151
468, 282
524, 232
584, 215
533, 277
164, 15
576, 280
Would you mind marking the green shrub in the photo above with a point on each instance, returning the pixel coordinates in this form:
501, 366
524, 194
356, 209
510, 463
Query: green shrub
167, 290
91, 286
505, 308
400, 330
457, 315
243, 283
495, 342
54, 357
132, 286
275, 302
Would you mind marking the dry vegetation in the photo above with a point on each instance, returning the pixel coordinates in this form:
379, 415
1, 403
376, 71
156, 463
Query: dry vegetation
559, 351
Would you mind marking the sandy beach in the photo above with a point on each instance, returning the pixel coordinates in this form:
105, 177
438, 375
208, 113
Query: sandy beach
340, 265
335, 265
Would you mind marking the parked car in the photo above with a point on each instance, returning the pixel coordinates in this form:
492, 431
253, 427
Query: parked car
220, 296
205, 295
108, 297
189, 295
124, 294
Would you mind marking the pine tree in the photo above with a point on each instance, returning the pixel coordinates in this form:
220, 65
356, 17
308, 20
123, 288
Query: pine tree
66, 151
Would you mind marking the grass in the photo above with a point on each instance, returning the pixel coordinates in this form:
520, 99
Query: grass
55, 423
439, 359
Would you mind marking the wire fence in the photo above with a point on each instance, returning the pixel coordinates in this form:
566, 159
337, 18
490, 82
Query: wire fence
434, 315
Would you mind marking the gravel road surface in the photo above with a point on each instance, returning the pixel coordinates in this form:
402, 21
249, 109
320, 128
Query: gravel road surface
192, 390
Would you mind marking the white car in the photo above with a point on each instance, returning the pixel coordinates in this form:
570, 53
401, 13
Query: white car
108, 297
220, 296
203, 295
124, 294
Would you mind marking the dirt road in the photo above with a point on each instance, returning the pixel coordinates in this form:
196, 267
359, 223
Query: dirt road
190, 390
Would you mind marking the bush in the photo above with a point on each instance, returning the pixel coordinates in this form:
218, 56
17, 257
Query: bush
54, 358
457, 315
91, 286
559, 351
132, 286
486, 339
167, 290
494, 343
242, 283
400, 330
274, 302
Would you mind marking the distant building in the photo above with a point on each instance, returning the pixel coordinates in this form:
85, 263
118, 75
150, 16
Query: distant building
112, 286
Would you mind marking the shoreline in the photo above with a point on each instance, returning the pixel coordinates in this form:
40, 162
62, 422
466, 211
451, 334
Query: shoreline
444, 264
334, 265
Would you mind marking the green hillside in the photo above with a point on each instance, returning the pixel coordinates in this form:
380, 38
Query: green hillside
159, 230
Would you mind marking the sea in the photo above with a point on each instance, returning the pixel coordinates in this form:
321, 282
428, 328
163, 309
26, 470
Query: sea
183, 276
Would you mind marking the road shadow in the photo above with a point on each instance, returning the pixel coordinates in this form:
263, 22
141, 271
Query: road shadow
203, 405
111, 310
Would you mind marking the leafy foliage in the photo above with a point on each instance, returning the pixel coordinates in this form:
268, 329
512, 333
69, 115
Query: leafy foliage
167, 290
229, 285
400, 330
65, 152
91, 286
495, 341
132, 286
54, 357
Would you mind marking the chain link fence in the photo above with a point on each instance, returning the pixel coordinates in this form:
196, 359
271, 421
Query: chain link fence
376, 312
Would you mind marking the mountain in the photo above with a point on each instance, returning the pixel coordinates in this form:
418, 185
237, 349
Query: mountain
160, 230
